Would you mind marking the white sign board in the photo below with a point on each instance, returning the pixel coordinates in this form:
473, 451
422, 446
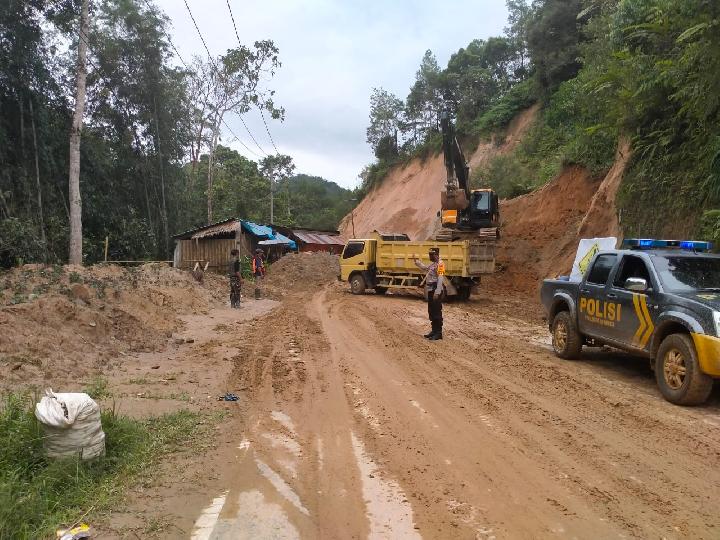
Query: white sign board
587, 248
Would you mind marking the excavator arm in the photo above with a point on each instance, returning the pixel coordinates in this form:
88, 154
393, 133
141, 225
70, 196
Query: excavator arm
457, 188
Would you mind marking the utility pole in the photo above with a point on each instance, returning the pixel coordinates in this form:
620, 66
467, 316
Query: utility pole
352, 215
76, 238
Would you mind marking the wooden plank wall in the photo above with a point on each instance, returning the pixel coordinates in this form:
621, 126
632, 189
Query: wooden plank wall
213, 250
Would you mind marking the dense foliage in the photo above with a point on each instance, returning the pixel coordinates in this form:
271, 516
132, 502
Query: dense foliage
645, 69
152, 158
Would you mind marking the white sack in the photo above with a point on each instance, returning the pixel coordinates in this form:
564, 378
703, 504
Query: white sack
72, 425
587, 248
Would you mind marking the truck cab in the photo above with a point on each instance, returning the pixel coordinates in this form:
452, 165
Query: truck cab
658, 301
357, 264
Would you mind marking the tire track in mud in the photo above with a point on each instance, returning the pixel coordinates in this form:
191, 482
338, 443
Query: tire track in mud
301, 471
570, 424
357, 427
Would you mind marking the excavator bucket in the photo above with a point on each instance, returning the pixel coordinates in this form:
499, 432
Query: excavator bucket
454, 200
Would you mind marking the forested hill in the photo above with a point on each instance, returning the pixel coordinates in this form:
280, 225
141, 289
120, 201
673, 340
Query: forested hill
648, 70
153, 157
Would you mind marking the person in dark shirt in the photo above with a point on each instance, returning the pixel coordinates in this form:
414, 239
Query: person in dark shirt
235, 278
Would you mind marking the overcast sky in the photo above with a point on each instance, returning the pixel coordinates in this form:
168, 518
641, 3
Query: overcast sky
333, 53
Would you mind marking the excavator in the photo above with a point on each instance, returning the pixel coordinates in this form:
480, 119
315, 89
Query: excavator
465, 214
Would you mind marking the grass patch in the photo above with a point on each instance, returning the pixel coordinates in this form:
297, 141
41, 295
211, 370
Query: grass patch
98, 388
38, 495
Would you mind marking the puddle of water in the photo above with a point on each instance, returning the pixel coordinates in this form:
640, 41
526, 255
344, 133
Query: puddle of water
390, 517
289, 466
284, 420
417, 406
281, 486
283, 441
320, 454
205, 524
256, 519
244, 444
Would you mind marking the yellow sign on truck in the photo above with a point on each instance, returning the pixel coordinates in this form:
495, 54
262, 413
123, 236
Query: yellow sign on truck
387, 261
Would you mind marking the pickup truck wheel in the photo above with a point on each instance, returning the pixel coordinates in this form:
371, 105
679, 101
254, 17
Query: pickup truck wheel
357, 284
678, 374
566, 340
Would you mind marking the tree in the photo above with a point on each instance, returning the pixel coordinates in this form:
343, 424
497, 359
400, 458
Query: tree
385, 119
520, 14
425, 101
235, 87
553, 40
276, 168
76, 235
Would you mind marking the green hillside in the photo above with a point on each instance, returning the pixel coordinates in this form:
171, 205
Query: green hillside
645, 69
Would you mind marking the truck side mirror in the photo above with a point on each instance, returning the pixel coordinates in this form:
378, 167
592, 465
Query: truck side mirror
636, 284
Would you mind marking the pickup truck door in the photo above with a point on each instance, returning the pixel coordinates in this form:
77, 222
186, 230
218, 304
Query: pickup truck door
593, 312
634, 327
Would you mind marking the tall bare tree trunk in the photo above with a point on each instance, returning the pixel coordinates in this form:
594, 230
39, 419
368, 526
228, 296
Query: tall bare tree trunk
37, 182
164, 215
76, 238
211, 160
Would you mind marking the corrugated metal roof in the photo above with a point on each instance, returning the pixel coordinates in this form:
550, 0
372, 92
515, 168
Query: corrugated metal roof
313, 238
216, 230
192, 232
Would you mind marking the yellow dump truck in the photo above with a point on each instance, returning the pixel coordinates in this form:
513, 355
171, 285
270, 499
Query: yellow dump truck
387, 261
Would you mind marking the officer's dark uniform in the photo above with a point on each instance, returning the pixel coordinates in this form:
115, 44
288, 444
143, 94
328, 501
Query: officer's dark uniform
434, 284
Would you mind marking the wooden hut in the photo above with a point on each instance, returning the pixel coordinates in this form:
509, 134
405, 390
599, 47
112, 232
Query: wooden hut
211, 244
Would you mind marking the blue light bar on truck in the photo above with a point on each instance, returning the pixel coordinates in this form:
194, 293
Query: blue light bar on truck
649, 243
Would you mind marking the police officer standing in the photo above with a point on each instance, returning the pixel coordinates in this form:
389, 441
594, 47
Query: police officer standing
434, 287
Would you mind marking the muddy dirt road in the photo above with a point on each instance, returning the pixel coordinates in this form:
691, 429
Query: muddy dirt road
357, 427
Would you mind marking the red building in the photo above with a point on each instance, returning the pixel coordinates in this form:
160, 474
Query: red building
313, 239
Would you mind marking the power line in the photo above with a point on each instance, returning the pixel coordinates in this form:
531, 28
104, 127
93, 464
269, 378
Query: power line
201, 36
251, 135
182, 60
170, 41
233, 21
268, 131
232, 18
240, 141
212, 61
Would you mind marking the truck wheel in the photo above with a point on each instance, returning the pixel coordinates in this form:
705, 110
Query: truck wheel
381, 290
357, 284
566, 340
678, 374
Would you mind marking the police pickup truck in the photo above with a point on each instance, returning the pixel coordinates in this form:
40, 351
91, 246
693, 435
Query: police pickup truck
659, 299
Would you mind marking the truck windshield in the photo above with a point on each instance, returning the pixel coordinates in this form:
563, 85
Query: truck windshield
685, 274
482, 201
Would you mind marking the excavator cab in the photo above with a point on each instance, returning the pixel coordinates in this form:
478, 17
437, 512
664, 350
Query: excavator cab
483, 210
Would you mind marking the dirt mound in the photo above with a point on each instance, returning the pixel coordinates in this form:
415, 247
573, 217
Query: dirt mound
541, 230
64, 323
408, 199
301, 272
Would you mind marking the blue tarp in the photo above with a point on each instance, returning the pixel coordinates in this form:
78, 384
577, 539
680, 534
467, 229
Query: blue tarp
266, 233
